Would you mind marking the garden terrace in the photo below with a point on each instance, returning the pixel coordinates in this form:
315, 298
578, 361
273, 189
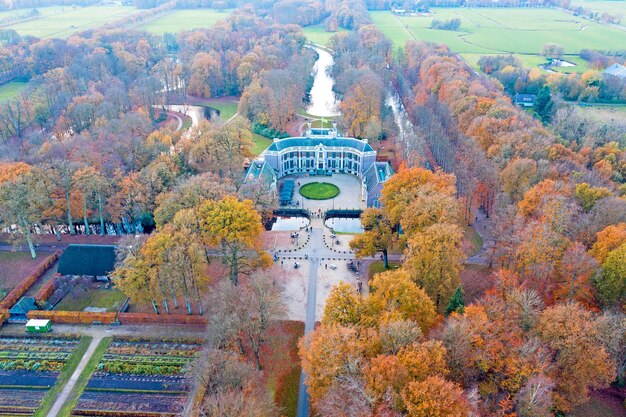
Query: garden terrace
140, 377
29, 367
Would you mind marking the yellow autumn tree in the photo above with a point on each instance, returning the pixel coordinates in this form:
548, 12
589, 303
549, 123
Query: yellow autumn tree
342, 305
233, 229
434, 397
394, 296
378, 235
399, 191
433, 260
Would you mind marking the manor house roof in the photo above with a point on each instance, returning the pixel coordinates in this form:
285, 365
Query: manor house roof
339, 142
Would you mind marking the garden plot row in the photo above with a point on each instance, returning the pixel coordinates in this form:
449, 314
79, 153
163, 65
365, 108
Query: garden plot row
138, 377
29, 366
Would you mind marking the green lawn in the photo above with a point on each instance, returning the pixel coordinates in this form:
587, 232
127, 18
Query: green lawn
112, 300
319, 190
227, 109
490, 31
260, 143
317, 34
71, 19
379, 266
11, 89
84, 377
64, 376
182, 20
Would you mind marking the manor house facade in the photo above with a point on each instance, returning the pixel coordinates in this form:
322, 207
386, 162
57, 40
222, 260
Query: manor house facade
322, 151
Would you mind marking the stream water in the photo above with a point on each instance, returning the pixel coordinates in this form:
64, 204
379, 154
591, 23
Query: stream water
323, 101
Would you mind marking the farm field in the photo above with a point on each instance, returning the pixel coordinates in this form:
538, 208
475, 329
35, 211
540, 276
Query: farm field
72, 19
317, 34
612, 7
11, 89
141, 375
32, 370
43, 11
181, 20
604, 113
486, 31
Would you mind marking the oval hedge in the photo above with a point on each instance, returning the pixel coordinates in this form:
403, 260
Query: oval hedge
319, 191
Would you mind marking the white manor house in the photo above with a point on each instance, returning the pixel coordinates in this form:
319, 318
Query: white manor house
322, 151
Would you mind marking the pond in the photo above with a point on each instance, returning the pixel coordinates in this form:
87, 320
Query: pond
196, 113
344, 225
289, 223
323, 101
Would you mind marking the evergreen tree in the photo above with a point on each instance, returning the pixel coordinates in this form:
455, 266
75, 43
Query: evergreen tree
456, 301
544, 106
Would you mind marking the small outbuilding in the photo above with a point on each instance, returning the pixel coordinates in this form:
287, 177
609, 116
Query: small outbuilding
525, 100
21, 308
38, 326
88, 260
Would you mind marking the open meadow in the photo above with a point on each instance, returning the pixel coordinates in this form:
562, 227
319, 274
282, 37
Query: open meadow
11, 90
63, 21
612, 7
181, 20
491, 31
317, 34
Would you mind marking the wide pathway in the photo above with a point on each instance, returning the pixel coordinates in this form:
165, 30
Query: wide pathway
313, 250
484, 227
56, 407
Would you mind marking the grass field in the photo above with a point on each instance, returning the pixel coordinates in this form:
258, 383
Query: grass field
181, 20
43, 11
317, 34
68, 20
612, 7
379, 266
260, 144
486, 31
226, 108
11, 89
319, 190
603, 113
112, 300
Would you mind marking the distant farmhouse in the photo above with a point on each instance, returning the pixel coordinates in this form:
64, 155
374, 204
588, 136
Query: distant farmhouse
616, 70
524, 100
322, 152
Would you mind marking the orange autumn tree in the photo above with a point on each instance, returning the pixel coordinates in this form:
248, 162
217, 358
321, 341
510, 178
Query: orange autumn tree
10, 170
608, 239
580, 361
400, 189
371, 350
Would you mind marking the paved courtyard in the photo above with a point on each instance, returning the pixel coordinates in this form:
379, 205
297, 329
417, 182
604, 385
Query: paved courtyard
350, 192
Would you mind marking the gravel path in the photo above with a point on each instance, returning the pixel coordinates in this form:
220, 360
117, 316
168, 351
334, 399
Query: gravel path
56, 407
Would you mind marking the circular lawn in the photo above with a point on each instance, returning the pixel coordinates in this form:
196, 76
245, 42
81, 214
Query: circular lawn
319, 191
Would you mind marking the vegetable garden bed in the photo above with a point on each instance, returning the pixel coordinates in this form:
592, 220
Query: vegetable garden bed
139, 377
29, 367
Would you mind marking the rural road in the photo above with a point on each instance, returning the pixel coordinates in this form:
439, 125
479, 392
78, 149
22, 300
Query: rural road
58, 404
